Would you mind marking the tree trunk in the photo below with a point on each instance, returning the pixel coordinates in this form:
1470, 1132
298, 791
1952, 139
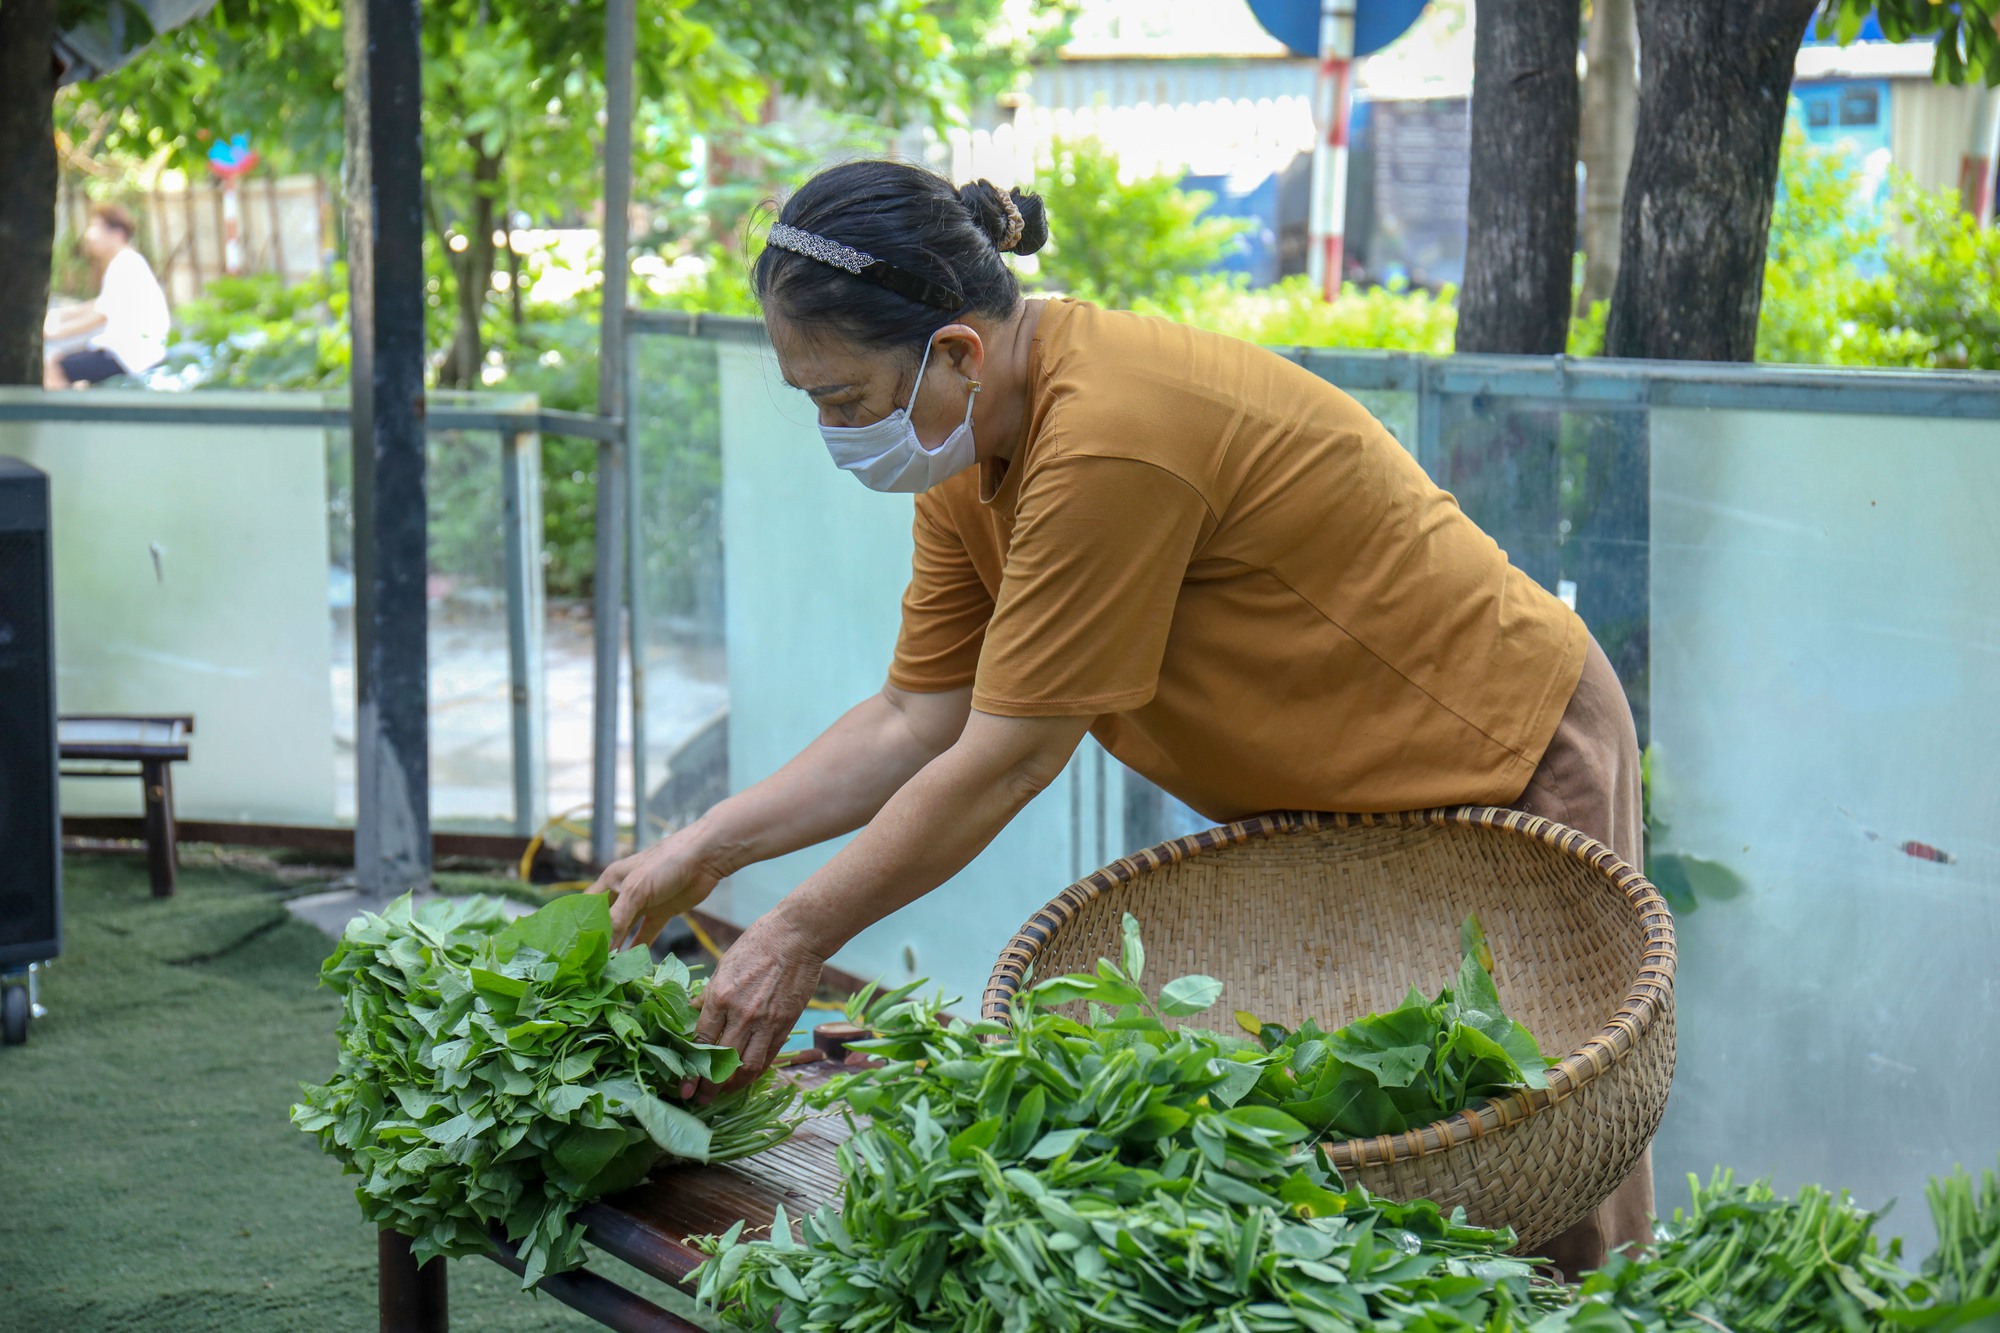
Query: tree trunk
1521, 205
1610, 110
27, 183
1712, 98
473, 269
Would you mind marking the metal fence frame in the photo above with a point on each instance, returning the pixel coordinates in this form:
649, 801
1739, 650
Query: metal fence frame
1434, 382
1566, 380
519, 433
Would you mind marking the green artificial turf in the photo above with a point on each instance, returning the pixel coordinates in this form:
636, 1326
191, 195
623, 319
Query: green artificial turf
149, 1179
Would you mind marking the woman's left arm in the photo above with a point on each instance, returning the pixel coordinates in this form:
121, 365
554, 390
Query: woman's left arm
925, 834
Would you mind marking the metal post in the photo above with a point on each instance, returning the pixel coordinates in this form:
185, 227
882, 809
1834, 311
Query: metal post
1329, 175
520, 482
410, 1297
620, 37
384, 189
1430, 421
1985, 201
635, 599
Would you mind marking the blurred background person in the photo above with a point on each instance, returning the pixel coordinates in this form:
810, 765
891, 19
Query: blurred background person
127, 323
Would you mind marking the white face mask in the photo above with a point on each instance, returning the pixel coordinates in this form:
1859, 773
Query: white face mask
887, 455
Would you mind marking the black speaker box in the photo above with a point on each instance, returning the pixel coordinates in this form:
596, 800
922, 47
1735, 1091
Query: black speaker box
30, 823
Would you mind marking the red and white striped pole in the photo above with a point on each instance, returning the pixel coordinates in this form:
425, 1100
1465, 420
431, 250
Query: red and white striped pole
232, 227
1329, 179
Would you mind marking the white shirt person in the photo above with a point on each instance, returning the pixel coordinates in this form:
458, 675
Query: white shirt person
128, 322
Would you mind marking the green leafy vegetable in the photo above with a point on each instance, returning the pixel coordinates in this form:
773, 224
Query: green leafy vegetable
499, 1075
1061, 1174
1744, 1258
1113, 1172
1422, 1061
1965, 1267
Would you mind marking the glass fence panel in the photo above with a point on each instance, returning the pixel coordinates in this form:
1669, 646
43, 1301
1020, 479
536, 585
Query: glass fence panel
244, 616
1826, 656
471, 683
1562, 489
678, 592
1394, 408
191, 577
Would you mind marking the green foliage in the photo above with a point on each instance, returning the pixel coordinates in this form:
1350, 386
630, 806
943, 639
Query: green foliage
1586, 330
1064, 1175
1744, 1258
1684, 880
993, 42
1962, 30
513, 92
1965, 1267
496, 1074
1418, 1063
553, 355
1819, 234
1932, 300
255, 332
1936, 305
1291, 313
1115, 241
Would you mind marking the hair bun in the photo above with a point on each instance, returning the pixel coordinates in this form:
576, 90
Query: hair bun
1015, 221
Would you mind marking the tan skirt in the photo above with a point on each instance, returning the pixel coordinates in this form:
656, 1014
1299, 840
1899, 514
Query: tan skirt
1589, 780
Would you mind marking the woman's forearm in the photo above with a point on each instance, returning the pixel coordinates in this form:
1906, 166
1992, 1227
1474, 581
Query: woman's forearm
833, 786
931, 827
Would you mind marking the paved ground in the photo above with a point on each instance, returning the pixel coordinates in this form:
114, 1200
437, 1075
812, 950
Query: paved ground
471, 727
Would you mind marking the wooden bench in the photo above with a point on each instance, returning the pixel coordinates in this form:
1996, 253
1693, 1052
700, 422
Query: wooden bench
650, 1226
106, 745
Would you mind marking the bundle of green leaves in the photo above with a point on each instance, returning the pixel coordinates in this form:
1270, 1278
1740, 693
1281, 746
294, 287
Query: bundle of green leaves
1420, 1062
1967, 1263
1745, 1258
1056, 1174
495, 1076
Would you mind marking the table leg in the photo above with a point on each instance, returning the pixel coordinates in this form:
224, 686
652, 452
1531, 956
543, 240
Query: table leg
413, 1298
162, 857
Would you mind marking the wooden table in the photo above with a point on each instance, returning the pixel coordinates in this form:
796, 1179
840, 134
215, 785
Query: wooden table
649, 1227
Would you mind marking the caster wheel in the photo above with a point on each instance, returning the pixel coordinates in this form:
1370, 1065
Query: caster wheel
14, 1015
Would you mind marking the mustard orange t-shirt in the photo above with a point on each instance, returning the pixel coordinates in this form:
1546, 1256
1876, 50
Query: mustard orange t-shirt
1254, 589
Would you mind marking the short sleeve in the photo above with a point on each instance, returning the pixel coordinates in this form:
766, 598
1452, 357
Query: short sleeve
1100, 549
945, 611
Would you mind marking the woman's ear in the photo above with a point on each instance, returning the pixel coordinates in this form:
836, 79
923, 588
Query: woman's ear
961, 345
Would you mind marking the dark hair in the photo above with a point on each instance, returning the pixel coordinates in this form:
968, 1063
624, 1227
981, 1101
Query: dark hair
116, 218
913, 219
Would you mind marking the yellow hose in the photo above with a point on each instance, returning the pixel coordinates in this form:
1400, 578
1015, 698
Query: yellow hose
563, 822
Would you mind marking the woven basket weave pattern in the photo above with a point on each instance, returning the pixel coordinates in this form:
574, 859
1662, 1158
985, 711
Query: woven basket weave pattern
1330, 917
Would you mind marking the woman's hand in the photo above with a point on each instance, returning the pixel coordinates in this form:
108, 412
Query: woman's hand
650, 888
760, 988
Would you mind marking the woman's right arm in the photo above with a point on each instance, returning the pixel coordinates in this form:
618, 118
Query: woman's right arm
834, 786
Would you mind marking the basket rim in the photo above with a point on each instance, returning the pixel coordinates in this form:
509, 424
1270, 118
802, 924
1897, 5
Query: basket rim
1648, 998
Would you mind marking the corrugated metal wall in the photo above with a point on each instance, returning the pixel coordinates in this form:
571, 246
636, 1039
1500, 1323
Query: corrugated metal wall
1088, 83
1223, 117
1932, 129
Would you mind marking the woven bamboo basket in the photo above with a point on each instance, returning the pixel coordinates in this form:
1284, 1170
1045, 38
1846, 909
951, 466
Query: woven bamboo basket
1334, 916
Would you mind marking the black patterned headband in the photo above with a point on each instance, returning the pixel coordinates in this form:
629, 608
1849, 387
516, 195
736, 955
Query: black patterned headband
864, 265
